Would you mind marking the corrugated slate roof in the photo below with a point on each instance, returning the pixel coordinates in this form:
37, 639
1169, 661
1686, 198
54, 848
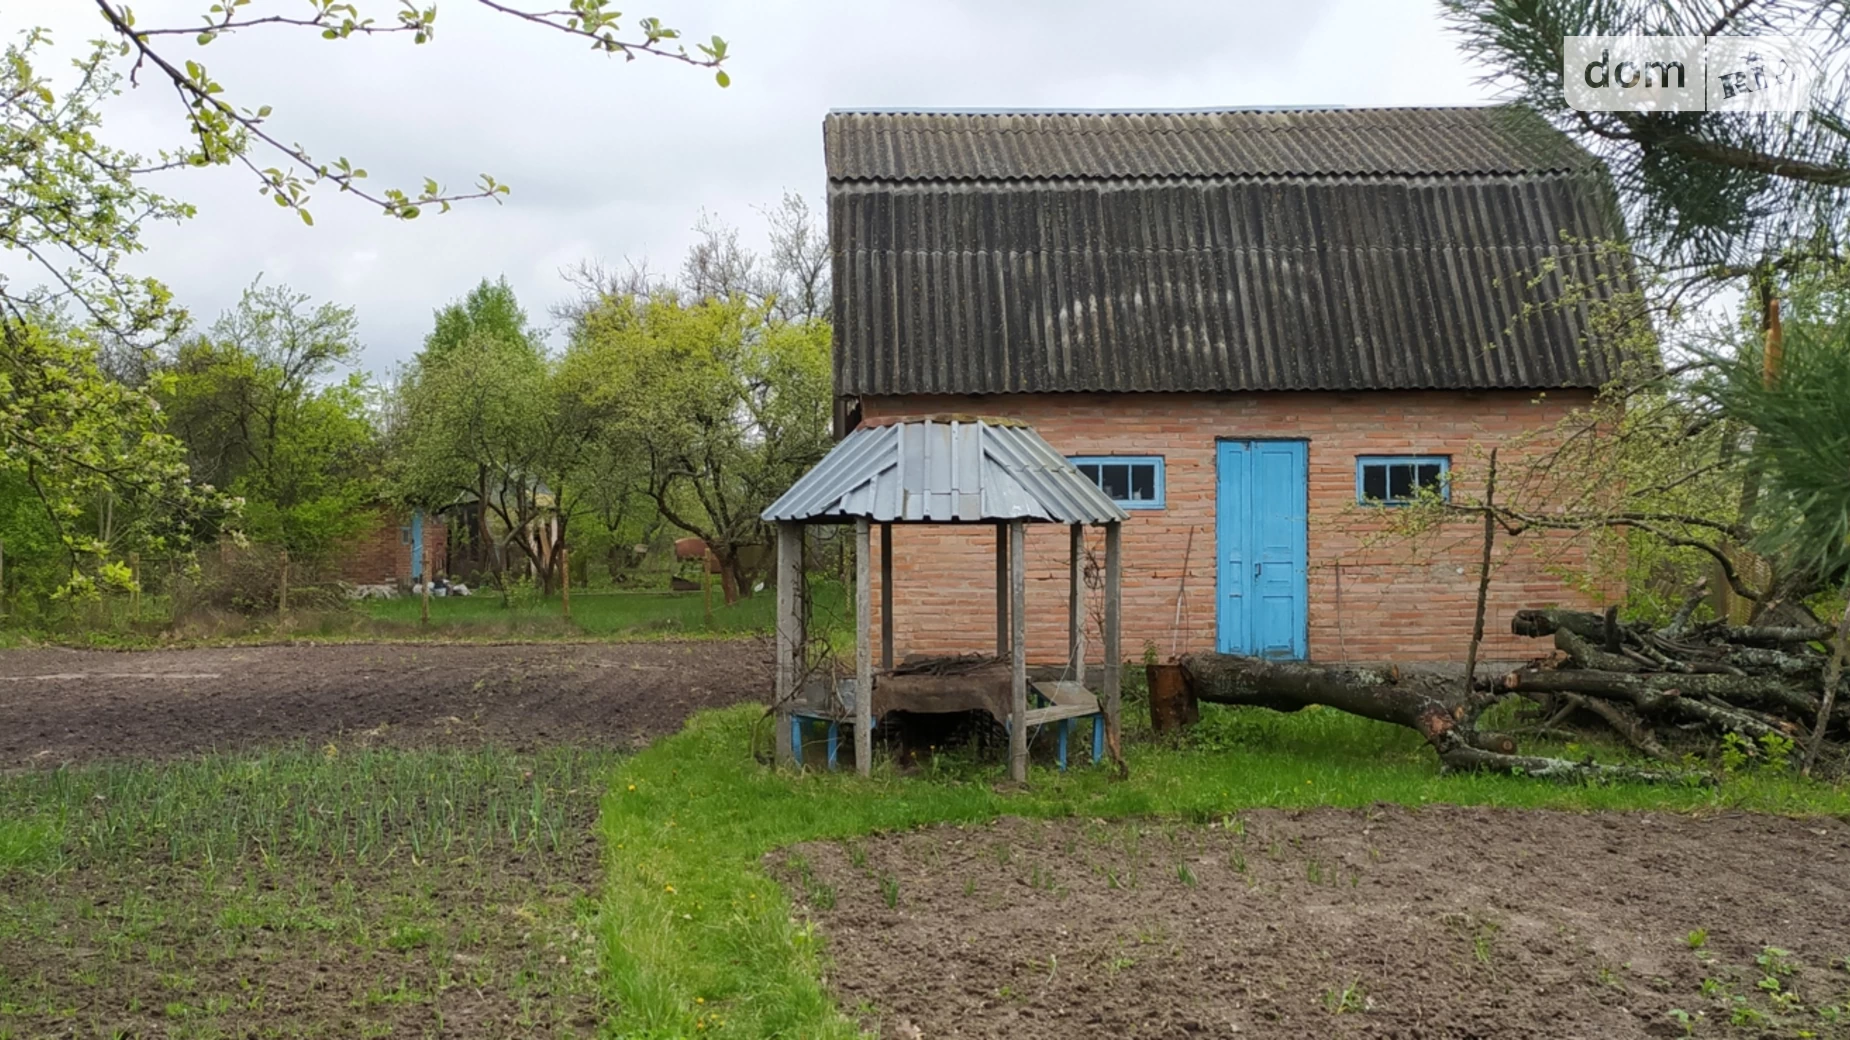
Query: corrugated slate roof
1358, 249
945, 471
902, 146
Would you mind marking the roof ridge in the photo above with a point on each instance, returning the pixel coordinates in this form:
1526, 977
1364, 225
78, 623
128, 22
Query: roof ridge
966, 145
928, 110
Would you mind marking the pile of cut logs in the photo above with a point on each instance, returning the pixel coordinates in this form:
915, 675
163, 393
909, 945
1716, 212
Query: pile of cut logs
1669, 692
1764, 682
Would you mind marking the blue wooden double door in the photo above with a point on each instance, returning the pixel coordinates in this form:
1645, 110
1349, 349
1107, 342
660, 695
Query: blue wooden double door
1261, 527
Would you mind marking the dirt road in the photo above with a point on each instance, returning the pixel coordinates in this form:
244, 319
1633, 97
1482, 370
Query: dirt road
59, 705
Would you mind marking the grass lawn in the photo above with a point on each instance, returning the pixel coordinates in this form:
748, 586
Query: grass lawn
604, 615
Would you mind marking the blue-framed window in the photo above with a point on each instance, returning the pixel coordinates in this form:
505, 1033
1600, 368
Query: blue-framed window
1132, 481
1395, 480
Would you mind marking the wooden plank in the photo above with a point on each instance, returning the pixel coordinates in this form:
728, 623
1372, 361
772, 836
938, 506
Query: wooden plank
863, 648
1042, 716
886, 597
1066, 693
1114, 643
789, 633
1018, 650
1002, 589
1076, 604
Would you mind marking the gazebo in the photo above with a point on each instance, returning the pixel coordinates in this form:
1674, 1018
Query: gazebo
947, 470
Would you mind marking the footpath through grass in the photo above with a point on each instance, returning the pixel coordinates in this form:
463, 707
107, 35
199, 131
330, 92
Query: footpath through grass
699, 941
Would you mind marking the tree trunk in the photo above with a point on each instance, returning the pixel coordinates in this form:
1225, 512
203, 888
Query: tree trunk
1432, 706
1840, 646
734, 580
728, 573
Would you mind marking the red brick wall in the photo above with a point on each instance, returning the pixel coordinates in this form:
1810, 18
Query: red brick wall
1373, 596
382, 556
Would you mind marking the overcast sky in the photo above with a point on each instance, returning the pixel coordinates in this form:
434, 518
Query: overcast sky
609, 159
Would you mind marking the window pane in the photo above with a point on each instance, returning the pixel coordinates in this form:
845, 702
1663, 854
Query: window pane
1400, 481
1143, 482
1115, 480
1374, 481
1429, 475
1089, 470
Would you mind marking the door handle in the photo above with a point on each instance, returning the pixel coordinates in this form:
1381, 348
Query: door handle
1256, 567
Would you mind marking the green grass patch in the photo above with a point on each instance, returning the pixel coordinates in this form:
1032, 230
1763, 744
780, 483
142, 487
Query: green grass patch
698, 940
303, 893
318, 804
27, 843
623, 616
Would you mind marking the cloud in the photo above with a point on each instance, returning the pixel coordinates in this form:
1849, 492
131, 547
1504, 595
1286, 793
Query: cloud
611, 159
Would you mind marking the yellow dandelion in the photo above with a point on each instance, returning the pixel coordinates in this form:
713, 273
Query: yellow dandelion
632, 787
668, 888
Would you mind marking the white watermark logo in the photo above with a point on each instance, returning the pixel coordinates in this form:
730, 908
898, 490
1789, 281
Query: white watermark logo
1691, 73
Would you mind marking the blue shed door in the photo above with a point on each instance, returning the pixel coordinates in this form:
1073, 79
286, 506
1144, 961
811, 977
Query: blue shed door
1261, 531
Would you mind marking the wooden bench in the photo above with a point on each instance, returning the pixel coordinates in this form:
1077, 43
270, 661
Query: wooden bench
1062, 702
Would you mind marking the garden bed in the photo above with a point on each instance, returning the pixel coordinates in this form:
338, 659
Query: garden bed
1384, 922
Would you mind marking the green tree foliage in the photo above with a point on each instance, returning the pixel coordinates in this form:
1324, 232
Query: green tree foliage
1719, 191
260, 406
85, 464
88, 474
1801, 425
718, 405
488, 312
223, 132
86, 471
71, 203
482, 420
1717, 199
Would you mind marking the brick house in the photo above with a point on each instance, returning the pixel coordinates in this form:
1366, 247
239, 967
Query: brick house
387, 553
1256, 330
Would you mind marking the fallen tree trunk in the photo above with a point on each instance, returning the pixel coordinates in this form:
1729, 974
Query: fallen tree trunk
1433, 706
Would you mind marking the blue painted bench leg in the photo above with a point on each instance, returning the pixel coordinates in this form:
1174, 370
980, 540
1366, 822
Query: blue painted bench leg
1098, 738
1066, 726
796, 739
834, 743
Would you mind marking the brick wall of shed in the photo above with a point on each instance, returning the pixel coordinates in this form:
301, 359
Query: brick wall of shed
1371, 598
382, 555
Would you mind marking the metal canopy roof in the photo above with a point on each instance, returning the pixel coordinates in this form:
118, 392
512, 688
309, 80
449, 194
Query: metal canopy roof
945, 470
